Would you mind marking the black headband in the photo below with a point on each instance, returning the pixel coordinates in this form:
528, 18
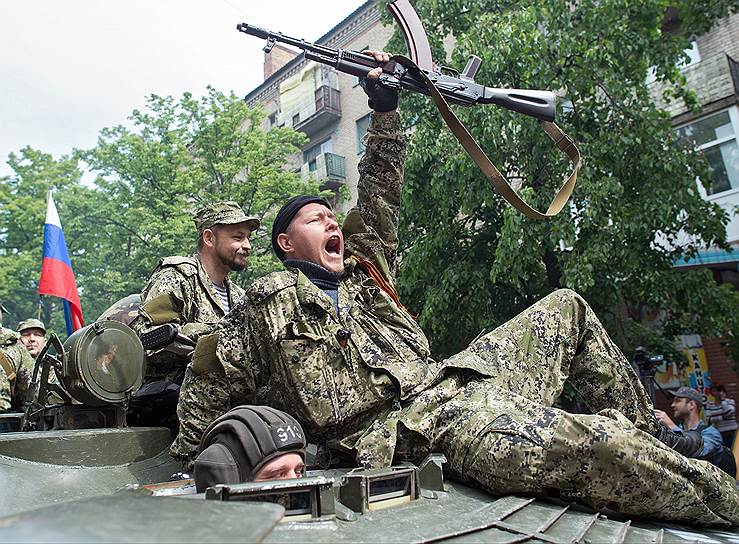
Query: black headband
287, 214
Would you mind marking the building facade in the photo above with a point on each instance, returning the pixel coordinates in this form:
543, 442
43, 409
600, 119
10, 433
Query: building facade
713, 74
328, 106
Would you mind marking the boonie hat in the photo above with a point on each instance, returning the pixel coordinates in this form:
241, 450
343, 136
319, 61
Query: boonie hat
31, 324
223, 213
689, 393
240, 442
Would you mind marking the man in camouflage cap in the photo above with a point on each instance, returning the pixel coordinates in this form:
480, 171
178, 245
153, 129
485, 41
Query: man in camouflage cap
327, 341
16, 368
194, 292
33, 335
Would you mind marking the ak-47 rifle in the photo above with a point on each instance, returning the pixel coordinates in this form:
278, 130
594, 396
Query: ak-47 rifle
420, 74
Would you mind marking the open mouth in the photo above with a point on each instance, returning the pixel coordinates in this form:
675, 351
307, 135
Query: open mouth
333, 246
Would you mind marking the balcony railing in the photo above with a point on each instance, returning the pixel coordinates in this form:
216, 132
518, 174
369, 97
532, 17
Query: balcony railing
328, 110
330, 168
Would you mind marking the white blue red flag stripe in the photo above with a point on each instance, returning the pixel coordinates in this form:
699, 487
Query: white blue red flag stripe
57, 278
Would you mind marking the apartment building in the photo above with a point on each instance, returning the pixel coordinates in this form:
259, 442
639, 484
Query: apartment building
328, 106
713, 74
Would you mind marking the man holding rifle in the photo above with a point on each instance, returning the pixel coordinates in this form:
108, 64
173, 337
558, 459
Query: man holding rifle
328, 341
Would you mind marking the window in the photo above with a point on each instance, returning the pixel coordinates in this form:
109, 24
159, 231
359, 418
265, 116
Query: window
272, 119
694, 57
362, 126
715, 135
311, 154
693, 54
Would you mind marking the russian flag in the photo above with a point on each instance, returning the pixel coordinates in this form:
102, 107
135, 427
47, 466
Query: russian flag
57, 278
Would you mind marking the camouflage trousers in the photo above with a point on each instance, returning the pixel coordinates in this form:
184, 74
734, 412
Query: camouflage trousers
502, 433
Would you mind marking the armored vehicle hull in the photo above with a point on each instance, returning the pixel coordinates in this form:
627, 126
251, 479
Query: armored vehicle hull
88, 486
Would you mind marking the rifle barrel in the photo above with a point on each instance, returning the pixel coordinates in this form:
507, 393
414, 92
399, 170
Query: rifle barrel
279, 37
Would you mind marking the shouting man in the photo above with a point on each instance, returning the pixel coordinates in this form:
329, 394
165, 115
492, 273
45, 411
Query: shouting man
328, 341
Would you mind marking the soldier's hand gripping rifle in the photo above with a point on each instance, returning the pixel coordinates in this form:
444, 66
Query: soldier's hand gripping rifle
419, 74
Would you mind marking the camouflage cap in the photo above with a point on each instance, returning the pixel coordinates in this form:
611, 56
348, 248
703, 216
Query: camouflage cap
223, 213
31, 324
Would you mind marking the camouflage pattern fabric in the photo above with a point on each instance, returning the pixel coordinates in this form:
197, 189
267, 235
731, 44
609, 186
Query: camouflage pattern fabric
13, 392
200, 308
124, 310
382, 397
223, 213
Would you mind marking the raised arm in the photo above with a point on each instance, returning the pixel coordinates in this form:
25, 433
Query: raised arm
371, 228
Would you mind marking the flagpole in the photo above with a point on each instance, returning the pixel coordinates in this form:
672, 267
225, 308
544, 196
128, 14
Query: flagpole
57, 278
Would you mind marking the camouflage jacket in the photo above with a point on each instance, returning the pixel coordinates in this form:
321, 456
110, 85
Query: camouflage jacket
197, 307
13, 388
287, 347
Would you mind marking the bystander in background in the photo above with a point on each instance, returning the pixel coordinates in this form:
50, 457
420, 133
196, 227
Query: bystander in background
722, 414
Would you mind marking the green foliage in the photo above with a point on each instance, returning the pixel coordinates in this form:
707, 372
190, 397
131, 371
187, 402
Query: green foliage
471, 261
147, 179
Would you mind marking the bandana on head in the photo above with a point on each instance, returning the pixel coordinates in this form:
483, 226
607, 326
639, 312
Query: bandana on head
286, 215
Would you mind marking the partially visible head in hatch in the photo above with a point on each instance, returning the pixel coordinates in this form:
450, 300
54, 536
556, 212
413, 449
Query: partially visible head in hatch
250, 444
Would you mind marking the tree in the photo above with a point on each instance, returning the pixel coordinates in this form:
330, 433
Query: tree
22, 214
148, 179
636, 208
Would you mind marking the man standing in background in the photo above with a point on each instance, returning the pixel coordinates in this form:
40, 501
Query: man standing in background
686, 408
722, 415
194, 292
33, 336
16, 366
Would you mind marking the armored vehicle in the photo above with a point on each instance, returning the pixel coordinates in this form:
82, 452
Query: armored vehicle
74, 472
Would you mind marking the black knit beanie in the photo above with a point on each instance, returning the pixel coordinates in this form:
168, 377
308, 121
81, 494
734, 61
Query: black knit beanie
286, 215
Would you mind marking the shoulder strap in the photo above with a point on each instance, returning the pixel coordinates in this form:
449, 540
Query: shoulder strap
187, 266
501, 184
7, 367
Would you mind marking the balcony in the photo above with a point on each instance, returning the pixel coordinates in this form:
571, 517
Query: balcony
328, 111
329, 168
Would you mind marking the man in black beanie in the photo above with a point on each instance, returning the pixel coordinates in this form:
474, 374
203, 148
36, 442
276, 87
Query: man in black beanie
250, 444
328, 341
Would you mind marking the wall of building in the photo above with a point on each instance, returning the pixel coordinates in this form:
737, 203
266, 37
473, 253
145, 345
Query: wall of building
360, 30
710, 77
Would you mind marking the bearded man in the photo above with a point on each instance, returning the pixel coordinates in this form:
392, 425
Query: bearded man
328, 341
194, 292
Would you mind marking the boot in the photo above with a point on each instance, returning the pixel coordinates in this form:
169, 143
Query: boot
689, 443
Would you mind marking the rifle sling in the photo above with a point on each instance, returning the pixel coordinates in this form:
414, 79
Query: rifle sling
7, 367
501, 184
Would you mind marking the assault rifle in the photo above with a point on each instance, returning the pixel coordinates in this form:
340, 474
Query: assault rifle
420, 74
456, 87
